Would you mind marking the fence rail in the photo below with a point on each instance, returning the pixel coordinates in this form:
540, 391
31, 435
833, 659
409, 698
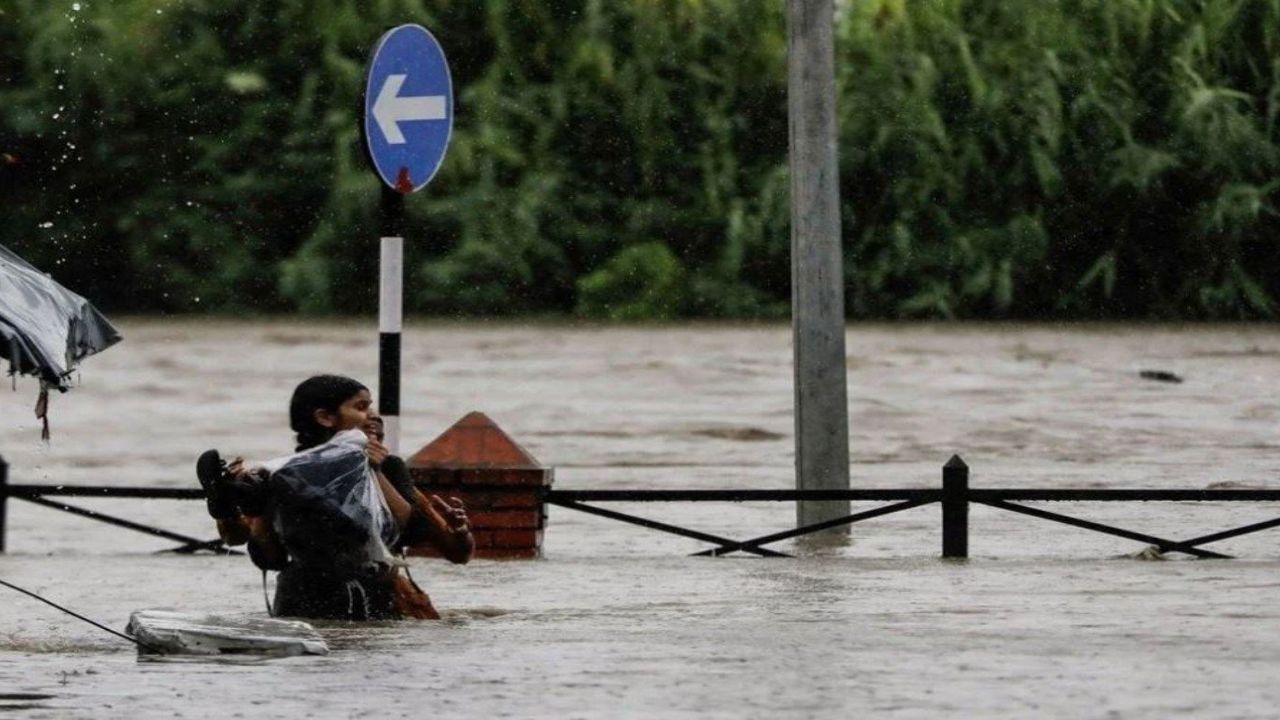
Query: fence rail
153, 493
40, 494
925, 494
954, 496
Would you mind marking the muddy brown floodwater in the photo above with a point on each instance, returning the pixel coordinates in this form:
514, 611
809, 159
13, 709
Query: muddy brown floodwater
616, 621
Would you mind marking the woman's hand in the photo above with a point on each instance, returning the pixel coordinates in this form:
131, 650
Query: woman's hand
453, 512
376, 452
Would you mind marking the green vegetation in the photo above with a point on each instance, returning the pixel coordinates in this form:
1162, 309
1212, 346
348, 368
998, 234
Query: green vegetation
627, 159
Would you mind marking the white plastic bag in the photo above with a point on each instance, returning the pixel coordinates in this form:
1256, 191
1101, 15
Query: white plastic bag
329, 509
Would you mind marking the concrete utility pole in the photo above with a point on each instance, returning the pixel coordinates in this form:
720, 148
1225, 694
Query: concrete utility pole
817, 277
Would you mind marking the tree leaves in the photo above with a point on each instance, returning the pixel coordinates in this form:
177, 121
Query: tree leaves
999, 158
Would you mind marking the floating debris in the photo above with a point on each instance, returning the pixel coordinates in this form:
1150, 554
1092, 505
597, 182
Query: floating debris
1149, 553
171, 632
1160, 376
746, 434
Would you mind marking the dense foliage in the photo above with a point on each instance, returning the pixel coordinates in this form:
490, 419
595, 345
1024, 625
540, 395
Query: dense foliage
627, 159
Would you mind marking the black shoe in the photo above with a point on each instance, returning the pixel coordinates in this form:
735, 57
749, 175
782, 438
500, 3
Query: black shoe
210, 470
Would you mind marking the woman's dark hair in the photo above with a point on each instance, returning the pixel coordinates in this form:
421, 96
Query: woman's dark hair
321, 392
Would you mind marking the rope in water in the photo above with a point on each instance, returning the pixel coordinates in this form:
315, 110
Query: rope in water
78, 616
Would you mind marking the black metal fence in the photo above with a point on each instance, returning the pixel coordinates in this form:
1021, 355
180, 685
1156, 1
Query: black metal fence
40, 494
955, 497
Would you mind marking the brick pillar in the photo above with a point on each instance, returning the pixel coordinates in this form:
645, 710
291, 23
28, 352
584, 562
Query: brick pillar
499, 481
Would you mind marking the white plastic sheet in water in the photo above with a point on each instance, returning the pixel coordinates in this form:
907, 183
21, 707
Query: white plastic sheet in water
171, 632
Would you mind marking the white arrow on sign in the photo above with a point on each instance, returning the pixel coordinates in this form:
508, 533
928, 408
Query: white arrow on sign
389, 110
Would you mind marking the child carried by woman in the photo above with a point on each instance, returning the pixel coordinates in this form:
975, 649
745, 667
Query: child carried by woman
331, 517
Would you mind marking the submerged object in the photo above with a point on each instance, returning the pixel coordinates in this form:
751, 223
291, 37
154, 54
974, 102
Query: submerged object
170, 632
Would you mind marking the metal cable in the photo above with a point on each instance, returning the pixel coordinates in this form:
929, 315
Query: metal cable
78, 616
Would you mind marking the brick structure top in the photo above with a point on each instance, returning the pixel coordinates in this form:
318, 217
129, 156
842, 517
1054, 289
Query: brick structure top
475, 441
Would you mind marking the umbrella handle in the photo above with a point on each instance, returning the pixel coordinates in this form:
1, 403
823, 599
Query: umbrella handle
42, 411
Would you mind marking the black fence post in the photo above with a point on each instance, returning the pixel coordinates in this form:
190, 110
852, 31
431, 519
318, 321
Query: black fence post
4, 498
955, 508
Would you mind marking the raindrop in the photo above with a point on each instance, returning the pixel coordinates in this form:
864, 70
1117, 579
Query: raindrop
75, 7
55, 116
46, 224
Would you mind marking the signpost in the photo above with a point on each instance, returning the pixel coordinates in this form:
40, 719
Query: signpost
408, 119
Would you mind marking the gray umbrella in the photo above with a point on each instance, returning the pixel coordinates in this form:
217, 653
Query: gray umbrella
45, 329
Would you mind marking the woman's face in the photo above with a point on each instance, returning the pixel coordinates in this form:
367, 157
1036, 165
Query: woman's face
356, 413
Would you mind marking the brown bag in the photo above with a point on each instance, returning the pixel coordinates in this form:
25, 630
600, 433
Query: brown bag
410, 600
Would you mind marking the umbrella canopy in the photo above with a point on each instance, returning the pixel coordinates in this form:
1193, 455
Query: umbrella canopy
45, 329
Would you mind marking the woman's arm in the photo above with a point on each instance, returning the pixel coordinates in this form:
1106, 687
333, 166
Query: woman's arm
446, 526
265, 548
431, 519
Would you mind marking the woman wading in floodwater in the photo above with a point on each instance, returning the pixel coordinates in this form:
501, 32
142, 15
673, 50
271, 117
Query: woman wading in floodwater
326, 568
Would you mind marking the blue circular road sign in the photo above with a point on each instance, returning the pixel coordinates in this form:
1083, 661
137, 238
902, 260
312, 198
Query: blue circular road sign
408, 107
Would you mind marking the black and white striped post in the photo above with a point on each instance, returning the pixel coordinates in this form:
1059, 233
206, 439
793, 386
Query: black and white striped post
390, 315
